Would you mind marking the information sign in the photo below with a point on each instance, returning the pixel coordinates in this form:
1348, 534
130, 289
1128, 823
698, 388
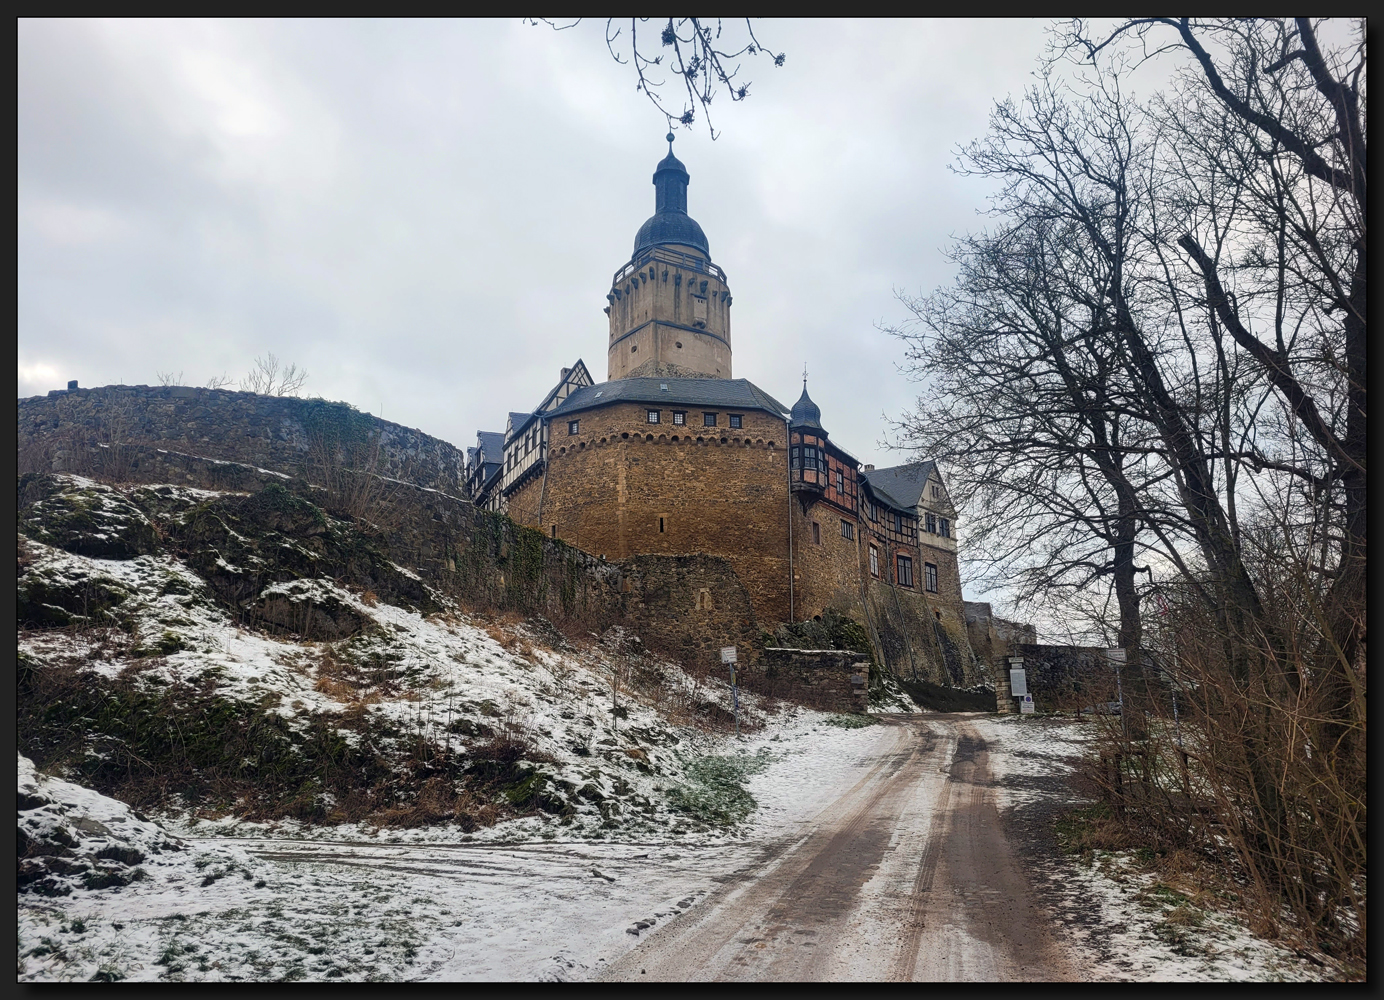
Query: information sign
1026, 706
1018, 682
728, 654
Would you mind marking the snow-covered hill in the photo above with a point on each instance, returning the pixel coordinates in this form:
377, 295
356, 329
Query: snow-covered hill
341, 693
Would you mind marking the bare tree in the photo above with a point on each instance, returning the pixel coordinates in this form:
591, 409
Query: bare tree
1272, 228
1191, 272
699, 56
219, 381
168, 378
270, 378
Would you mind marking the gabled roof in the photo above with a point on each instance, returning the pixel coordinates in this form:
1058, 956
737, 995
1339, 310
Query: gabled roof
577, 375
712, 393
902, 485
492, 443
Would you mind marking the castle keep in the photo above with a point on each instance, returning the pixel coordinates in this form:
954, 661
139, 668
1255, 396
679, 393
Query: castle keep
672, 456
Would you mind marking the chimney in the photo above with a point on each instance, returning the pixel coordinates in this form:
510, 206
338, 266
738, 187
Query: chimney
869, 468
565, 373
71, 385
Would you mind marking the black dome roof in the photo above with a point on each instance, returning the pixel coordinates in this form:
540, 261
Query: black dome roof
806, 414
671, 227
670, 222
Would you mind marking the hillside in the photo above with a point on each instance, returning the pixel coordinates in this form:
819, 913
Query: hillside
230, 657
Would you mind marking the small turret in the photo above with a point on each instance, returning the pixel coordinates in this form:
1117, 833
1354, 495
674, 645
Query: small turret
807, 455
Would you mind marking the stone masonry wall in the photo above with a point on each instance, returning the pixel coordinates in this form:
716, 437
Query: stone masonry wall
826, 573
483, 560
93, 430
716, 491
834, 680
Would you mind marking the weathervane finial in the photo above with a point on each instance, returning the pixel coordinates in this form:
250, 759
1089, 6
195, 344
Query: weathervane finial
804, 376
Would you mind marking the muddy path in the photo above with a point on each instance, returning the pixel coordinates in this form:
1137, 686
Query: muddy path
908, 876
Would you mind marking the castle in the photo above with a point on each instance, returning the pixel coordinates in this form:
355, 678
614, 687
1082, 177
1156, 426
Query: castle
671, 455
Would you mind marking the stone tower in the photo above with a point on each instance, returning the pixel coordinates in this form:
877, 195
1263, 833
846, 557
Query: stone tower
669, 306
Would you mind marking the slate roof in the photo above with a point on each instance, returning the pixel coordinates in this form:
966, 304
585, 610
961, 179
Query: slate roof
709, 393
806, 414
671, 227
903, 484
493, 444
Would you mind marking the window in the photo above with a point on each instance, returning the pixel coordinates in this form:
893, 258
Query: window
816, 533
898, 522
679, 418
936, 491
930, 577
944, 528
847, 530
905, 576
874, 562
555, 531
573, 426
653, 416
840, 481
807, 457
660, 525
735, 420
708, 420
930, 523
874, 511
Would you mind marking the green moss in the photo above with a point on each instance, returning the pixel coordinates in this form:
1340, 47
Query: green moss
855, 721
715, 790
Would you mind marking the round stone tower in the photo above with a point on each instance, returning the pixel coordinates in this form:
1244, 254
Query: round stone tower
669, 306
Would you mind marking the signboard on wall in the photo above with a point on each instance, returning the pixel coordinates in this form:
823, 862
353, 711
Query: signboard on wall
1026, 706
1018, 682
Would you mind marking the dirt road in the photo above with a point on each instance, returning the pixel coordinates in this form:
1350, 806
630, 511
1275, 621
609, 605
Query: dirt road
908, 876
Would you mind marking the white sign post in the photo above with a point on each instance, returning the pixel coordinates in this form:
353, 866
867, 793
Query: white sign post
728, 658
1018, 680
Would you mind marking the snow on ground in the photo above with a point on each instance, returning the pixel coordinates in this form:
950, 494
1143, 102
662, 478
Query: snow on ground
374, 908
1131, 925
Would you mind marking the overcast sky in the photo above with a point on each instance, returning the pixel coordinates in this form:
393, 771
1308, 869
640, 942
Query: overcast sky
427, 215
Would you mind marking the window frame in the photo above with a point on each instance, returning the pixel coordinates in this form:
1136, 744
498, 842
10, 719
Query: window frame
573, 427
930, 583
903, 568
944, 527
874, 561
847, 530
930, 522
737, 421
655, 416
816, 533
679, 418
709, 419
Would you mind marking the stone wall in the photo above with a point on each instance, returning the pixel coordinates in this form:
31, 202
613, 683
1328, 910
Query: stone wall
95, 430
834, 680
1064, 678
683, 607
827, 567
672, 310
624, 487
